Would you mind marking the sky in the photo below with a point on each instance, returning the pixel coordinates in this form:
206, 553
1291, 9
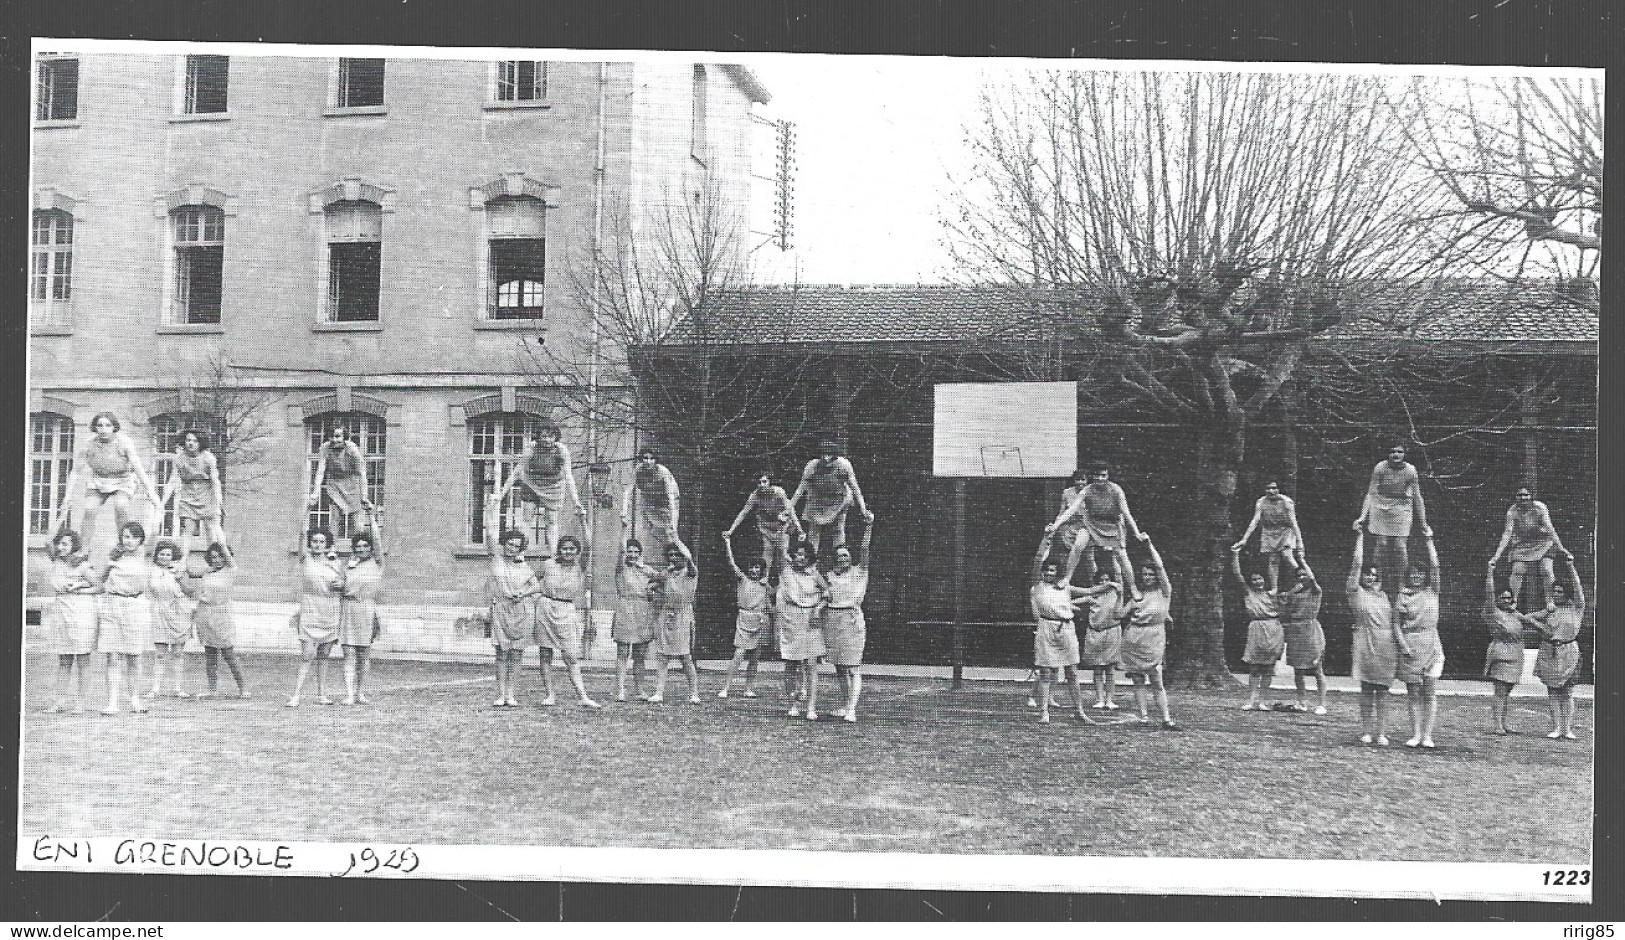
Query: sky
878, 140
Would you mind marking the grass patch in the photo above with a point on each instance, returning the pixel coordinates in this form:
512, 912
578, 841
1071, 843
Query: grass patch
927, 769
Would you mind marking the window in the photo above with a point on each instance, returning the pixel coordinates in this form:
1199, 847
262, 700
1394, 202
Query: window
50, 459
206, 80
360, 84
58, 88
518, 252
367, 433
200, 250
521, 81
51, 269
354, 258
167, 437
494, 445
697, 116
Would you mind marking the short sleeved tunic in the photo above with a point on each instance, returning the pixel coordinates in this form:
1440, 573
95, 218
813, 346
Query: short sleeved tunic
513, 611
1300, 622
1103, 514
771, 509
799, 593
213, 617
1266, 640
1531, 532
195, 498
71, 617
111, 468
828, 489
559, 620
346, 479
358, 607
845, 632
124, 612
1376, 654
1418, 613
171, 608
1391, 503
753, 628
541, 476
1055, 640
1503, 660
675, 628
1067, 532
1275, 532
634, 612
1103, 643
1558, 661
319, 600
1145, 638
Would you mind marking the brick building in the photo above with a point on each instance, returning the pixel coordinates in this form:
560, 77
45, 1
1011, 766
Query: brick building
360, 241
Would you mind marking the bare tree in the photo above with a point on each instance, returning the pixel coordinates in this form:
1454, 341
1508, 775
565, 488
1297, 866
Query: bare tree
1522, 159
650, 365
236, 415
1216, 227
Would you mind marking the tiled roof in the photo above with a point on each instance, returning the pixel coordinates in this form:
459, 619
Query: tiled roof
1465, 310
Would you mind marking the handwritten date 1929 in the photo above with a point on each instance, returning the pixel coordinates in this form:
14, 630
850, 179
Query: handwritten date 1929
370, 861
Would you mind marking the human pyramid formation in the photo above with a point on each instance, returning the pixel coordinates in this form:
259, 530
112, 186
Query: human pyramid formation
1396, 635
135, 603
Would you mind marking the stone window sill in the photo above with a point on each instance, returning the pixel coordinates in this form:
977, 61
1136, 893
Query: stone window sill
531, 105
205, 328
360, 326
373, 109
200, 118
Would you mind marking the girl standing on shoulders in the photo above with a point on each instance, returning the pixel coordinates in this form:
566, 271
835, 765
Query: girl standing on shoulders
216, 624
675, 629
1055, 637
171, 614
754, 625
1421, 663
359, 625
1266, 640
124, 616
318, 619
1377, 644
1299, 607
560, 622
71, 617
634, 625
196, 487
1145, 635
511, 589
1503, 661
1558, 661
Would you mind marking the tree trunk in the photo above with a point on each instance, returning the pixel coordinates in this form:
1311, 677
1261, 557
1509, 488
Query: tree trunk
1196, 643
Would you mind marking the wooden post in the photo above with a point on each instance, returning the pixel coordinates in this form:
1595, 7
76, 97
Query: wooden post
959, 583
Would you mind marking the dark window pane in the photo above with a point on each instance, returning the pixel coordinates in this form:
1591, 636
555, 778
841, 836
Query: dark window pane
518, 272
206, 80
353, 280
58, 90
361, 83
200, 272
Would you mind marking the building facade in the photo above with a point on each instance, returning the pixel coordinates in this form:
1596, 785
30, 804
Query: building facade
311, 241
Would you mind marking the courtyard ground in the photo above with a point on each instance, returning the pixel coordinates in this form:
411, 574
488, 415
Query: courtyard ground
928, 769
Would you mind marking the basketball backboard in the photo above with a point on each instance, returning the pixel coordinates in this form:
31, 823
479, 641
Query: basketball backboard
1005, 429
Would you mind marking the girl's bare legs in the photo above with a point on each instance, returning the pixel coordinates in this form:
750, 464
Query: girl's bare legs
809, 683
315, 660
1041, 692
500, 669
693, 680
1566, 702
1161, 695
1380, 702
640, 655
1139, 695
64, 678
751, 659
623, 662
1430, 709
1368, 709
1100, 687
1499, 706
115, 682
1111, 688
545, 666
733, 667
1266, 678
351, 655
792, 670
1253, 681
1413, 705
363, 666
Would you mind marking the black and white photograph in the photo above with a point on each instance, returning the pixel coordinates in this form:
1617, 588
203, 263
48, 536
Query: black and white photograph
1140, 477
